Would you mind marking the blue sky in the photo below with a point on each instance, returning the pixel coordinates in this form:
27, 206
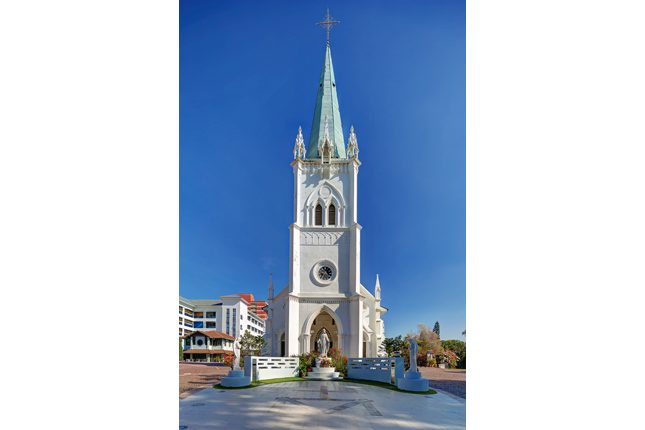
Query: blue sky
248, 79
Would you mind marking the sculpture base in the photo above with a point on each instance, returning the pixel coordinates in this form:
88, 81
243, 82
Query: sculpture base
324, 373
412, 381
236, 378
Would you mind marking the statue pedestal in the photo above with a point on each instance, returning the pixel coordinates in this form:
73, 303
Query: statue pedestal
412, 381
324, 373
236, 378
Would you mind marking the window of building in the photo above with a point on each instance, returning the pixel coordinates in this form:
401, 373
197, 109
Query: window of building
318, 215
332, 215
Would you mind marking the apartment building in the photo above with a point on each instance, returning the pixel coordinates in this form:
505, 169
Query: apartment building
229, 315
255, 306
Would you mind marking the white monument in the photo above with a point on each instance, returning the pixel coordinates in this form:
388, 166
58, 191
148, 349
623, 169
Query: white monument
324, 289
323, 369
412, 380
236, 376
236, 354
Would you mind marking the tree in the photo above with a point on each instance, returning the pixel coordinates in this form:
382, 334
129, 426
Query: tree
463, 333
459, 348
393, 345
425, 338
436, 329
181, 351
250, 343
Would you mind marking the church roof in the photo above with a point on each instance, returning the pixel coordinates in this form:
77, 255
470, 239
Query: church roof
326, 106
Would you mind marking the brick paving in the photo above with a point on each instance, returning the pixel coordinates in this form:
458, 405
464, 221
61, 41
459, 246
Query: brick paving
452, 381
200, 375
194, 376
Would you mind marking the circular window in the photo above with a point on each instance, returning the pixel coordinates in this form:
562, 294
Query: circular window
200, 342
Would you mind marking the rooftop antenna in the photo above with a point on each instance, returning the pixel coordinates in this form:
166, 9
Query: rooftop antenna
328, 23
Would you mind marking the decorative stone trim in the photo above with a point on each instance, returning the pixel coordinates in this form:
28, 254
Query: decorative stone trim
324, 238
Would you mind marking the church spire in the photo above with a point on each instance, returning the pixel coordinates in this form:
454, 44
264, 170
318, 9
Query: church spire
326, 110
270, 285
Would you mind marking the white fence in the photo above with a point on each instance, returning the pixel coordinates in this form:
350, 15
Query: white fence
387, 369
259, 368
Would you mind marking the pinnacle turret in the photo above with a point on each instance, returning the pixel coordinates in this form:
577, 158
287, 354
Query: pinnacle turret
377, 290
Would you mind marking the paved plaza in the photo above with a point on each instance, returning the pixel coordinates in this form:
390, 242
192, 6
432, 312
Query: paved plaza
319, 405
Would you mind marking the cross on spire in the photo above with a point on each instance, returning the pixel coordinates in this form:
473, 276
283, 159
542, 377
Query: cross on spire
328, 23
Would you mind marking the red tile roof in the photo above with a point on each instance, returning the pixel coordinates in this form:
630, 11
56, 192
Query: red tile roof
207, 351
211, 333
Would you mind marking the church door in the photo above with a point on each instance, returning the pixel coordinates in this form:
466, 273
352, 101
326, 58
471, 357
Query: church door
364, 349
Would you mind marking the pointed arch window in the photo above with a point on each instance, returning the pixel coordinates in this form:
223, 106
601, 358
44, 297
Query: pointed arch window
319, 214
332, 215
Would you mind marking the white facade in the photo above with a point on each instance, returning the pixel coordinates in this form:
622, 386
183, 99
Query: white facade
229, 315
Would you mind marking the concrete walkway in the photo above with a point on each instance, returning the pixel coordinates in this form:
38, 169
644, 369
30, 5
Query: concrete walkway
315, 405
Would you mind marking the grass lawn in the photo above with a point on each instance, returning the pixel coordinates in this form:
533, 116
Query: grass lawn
355, 381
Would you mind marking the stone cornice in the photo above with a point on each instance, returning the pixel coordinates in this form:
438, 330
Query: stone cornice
358, 297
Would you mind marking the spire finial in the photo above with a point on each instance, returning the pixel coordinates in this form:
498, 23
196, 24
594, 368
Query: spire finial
328, 23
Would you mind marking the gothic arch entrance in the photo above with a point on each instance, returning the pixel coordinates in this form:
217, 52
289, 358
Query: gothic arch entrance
325, 321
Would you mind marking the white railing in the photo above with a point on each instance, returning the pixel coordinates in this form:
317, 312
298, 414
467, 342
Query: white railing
259, 368
386, 369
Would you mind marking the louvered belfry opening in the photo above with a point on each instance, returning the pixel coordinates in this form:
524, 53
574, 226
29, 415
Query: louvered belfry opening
318, 215
332, 215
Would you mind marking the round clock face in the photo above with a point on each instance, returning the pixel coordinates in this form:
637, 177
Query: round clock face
325, 273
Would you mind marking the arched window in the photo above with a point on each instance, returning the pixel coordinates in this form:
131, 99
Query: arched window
318, 215
332, 215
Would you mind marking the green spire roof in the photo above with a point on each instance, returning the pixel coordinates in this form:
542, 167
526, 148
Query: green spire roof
326, 105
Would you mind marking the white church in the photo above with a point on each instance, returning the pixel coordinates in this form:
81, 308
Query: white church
325, 288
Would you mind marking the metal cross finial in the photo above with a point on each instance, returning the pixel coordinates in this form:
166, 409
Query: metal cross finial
328, 23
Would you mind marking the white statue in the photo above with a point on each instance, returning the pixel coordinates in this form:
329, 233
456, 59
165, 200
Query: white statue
236, 353
414, 348
381, 352
323, 343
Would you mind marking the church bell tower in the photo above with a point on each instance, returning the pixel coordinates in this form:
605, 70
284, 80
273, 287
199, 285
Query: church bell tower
325, 235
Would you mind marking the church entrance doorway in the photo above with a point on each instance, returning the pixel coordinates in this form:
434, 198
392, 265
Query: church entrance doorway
364, 349
282, 345
326, 321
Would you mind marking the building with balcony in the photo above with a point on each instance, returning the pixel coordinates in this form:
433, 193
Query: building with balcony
207, 345
255, 306
230, 315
